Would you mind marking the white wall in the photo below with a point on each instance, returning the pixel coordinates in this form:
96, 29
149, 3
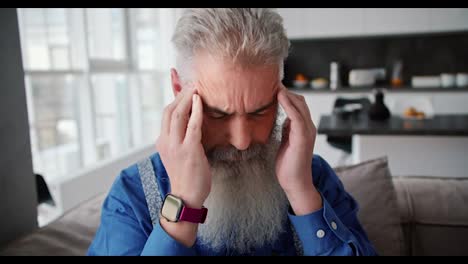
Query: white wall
447, 19
322, 22
339, 22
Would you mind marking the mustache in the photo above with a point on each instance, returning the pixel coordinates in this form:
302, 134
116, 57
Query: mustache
231, 154
256, 150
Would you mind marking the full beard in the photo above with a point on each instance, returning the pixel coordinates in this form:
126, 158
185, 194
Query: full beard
247, 206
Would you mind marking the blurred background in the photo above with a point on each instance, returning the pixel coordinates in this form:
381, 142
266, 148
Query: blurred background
96, 83
83, 91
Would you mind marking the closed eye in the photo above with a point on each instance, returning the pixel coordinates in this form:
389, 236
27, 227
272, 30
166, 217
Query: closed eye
264, 109
260, 113
217, 115
214, 113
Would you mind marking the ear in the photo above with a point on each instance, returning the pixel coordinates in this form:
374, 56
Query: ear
176, 83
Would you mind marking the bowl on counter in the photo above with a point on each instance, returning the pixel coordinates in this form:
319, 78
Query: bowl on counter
300, 83
319, 83
461, 79
447, 80
421, 107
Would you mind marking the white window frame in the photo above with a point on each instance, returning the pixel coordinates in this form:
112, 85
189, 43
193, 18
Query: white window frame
86, 120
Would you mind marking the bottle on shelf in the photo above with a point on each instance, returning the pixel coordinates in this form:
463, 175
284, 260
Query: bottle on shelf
397, 74
335, 82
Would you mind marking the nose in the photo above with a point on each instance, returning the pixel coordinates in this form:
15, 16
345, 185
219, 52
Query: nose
240, 133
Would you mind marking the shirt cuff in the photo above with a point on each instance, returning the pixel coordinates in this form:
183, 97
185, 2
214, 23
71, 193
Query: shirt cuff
160, 243
321, 231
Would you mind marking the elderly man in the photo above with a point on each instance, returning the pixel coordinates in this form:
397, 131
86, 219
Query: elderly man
231, 176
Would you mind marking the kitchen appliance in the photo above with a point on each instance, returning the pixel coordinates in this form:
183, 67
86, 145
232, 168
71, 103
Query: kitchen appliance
425, 81
366, 77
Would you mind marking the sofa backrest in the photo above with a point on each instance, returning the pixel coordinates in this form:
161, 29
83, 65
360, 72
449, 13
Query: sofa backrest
434, 214
370, 184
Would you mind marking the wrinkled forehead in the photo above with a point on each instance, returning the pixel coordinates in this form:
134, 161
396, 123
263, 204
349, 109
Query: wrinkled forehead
235, 88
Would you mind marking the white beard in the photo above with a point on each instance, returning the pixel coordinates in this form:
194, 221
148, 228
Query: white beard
247, 207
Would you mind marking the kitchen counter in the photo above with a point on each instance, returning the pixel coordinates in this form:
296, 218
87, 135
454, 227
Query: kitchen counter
434, 147
444, 102
439, 125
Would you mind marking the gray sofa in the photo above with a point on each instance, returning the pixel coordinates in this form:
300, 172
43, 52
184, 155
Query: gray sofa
406, 216
434, 215
409, 215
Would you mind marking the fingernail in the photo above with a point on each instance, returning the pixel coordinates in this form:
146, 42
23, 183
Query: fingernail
194, 97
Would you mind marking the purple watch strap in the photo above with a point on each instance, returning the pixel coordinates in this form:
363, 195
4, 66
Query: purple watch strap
193, 215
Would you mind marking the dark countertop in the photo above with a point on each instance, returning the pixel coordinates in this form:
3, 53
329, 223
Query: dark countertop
404, 89
439, 125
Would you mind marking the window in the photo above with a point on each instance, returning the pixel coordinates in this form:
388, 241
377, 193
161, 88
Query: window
152, 105
96, 83
112, 132
54, 123
49, 43
106, 33
148, 50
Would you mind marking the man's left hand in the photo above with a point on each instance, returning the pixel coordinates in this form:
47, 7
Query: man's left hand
293, 163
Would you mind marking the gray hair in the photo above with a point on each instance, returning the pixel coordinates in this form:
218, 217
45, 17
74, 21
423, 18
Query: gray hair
246, 36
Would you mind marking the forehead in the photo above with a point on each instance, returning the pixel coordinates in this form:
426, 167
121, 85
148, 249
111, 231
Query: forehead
235, 88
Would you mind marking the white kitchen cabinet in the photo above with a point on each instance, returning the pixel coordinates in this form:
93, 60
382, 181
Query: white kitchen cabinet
342, 22
322, 22
380, 21
448, 19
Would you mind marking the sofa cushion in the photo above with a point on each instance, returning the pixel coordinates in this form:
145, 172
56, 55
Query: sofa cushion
434, 214
370, 183
432, 200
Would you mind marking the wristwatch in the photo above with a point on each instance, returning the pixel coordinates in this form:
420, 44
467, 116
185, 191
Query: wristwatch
174, 210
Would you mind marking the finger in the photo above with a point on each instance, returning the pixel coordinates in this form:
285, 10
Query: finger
300, 104
167, 114
180, 117
288, 107
194, 127
166, 121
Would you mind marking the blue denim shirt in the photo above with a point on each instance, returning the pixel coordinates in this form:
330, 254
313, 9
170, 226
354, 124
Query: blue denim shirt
126, 227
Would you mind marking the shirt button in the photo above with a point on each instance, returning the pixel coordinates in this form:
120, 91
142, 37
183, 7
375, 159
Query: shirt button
333, 225
320, 233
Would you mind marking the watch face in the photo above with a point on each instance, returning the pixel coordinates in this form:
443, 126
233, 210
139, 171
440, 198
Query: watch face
171, 208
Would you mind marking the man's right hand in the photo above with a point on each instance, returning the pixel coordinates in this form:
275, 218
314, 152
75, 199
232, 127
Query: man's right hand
181, 151
183, 156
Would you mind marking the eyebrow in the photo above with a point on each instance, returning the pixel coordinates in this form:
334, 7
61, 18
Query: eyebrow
208, 108
260, 109
221, 112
